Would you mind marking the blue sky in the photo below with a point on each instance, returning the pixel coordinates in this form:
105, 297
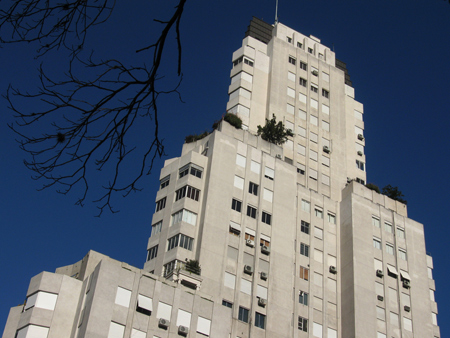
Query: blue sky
397, 53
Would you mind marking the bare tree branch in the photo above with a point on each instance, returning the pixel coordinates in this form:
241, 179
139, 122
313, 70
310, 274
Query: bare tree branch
93, 121
52, 23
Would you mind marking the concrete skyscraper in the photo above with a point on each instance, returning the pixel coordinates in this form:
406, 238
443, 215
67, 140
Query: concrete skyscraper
288, 240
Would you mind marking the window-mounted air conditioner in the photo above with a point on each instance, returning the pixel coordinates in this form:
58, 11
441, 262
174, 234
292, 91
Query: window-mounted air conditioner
380, 273
163, 323
183, 330
278, 156
360, 137
406, 284
380, 298
248, 269
326, 149
265, 249
264, 275
262, 302
333, 269
250, 243
407, 308
360, 153
315, 72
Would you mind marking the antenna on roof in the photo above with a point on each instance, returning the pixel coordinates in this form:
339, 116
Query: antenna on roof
276, 12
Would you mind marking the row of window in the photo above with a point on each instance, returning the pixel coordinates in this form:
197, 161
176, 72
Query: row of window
388, 227
244, 59
300, 45
251, 211
389, 248
180, 216
318, 212
190, 168
186, 191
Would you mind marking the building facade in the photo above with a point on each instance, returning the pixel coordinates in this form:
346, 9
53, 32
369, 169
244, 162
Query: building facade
251, 239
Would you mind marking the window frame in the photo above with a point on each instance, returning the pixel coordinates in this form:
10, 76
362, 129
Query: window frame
260, 320
236, 205
304, 249
303, 297
304, 273
302, 324
253, 188
251, 211
292, 60
266, 218
303, 65
243, 314
305, 227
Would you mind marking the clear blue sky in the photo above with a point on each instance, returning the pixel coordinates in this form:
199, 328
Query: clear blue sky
397, 53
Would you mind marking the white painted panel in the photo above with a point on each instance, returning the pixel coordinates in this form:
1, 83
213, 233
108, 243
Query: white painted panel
255, 167
301, 149
301, 131
317, 330
261, 292
325, 109
325, 179
203, 326
318, 256
184, 318
239, 182
358, 115
229, 280
332, 333
302, 98
246, 286
264, 237
326, 77
145, 302
47, 300
123, 297
291, 92
291, 76
31, 300
240, 160
313, 119
116, 330
138, 334
314, 104
268, 195
164, 311
269, 172
250, 232
290, 109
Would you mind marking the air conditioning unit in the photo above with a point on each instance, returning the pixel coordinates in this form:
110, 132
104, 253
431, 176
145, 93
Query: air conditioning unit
380, 298
265, 249
278, 156
315, 72
248, 269
250, 242
326, 149
360, 137
262, 302
163, 323
406, 284
360, 153
263, 275
407, 308
333, 269
380, 273
349, 180
183, 330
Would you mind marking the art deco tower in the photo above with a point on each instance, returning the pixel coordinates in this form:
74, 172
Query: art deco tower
289, 240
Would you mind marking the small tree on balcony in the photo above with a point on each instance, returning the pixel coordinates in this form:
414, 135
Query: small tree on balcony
274, 132
193, 266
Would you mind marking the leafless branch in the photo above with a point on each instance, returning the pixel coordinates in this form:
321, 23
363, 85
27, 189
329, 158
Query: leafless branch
52, 23
93, 122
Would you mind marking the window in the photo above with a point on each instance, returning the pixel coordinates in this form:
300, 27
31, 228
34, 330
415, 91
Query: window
407, 324
313, 119
318, 212
260, 320
288, 39
388, 227
229, 280
268, 195
303, 298
161, 204
238, 182
303, 82
255, 167
303, 65
123, 297
203, 326
318, 233
291, 76
377, 243
302, 99
313, 174
156, 228
180, 240
306, 206
314, 71
325, 125
325, 93
152, 253
236, 205
302, 324
240, 160
300, 169
389, 248
304, 249
243, 314
192, 169
317, 330
376, 222
169, 267
269, 173
235, 229
401, 233
144, 305
242, 76
227, 303
314, 88
313, 155
266, 218
42, 300
360, 165
251, 211
264, 240
321, 56
331, 218
184, 216
249, 235
304, 273
291, 110
310, 50
402, 254
292, 60
299, 45
187, 190
248, 62
253, 188
304, 227
301, 149
164, 182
